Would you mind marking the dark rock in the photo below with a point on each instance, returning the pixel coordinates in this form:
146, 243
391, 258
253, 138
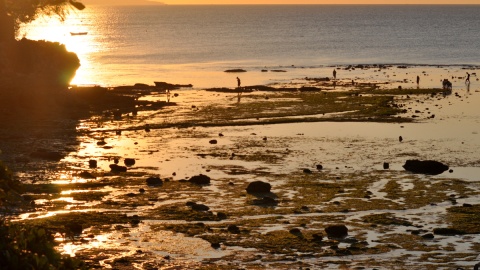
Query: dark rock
92, 163
337, 231
233, 229
258, 187
129, 162
237, 70
426, 166
386, 165
200, 179
428, 236
307, 171
213, 142
154, 181
221, 215
448, 231
215, 245
295, 231
199, 207
117, 168
319, 167
142, 190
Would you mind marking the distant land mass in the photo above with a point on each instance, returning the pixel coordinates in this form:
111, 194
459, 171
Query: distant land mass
120, 2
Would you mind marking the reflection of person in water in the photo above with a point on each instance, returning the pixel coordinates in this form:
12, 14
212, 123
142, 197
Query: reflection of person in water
238, 82
467, 80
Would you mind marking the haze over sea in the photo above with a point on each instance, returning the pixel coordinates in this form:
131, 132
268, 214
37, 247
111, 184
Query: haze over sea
195, 44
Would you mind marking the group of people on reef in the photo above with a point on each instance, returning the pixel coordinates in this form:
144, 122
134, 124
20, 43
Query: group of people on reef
447, 85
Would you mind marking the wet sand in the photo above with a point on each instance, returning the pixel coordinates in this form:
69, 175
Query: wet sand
389, 213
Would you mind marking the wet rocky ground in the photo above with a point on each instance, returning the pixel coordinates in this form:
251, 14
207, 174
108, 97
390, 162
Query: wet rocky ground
165, 185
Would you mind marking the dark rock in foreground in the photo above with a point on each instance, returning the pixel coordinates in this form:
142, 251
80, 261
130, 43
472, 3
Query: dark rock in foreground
425, 166
258, 187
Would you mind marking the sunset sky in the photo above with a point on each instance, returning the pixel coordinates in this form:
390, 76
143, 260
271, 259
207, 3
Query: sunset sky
178, 2
240, 2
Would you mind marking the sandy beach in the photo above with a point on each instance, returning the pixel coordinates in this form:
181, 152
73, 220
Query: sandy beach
323, 152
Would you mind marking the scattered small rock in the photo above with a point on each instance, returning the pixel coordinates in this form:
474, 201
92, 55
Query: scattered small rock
129, 162
92, 163
221, 215
213, 142
233, 229
386, 165
307, 171
117, 168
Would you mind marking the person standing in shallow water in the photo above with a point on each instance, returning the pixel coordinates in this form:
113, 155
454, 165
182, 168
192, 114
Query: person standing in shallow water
238, 82
418, 80
334, 74
467, 80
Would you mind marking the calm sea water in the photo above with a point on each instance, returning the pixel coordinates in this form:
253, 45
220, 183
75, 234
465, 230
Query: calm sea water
195, 44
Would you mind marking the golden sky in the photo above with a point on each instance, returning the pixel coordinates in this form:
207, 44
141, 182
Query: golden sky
225, 2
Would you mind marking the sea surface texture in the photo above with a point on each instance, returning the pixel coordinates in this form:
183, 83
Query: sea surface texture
197, 43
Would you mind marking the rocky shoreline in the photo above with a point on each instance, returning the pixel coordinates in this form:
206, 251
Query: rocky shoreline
184, 173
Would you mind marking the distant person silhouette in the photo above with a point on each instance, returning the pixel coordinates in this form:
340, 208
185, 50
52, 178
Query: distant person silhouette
418, 79
334, 74
238, 82
468, 78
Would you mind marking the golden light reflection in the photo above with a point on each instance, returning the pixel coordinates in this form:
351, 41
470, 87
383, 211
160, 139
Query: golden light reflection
52, 29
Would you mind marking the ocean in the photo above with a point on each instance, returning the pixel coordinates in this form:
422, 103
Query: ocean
196, 44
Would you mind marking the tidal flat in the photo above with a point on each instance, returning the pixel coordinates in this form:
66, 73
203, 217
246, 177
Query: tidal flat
332, 154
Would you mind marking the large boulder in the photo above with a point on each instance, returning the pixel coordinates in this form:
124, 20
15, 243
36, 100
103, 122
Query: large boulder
425, 166
258, 187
